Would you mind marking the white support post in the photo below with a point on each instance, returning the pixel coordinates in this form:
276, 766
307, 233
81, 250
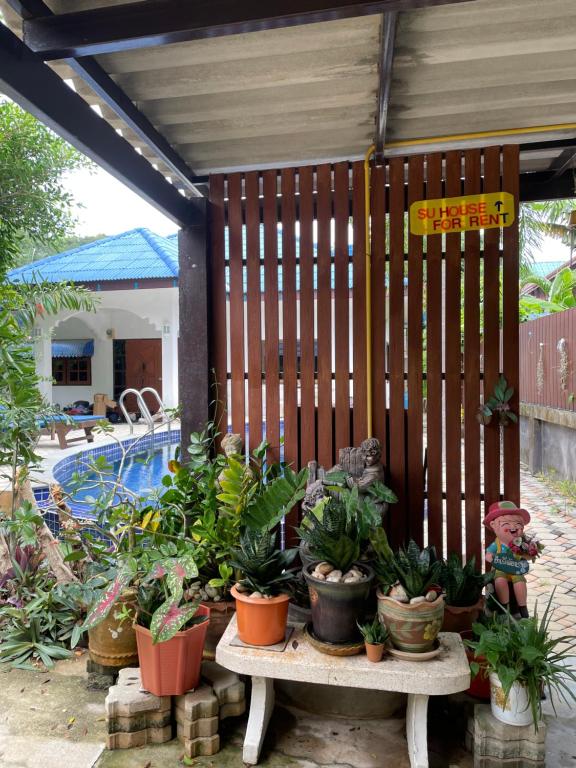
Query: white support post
261, 706
43, 355
417, 730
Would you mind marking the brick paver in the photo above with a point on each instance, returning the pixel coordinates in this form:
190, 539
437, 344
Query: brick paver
554, 523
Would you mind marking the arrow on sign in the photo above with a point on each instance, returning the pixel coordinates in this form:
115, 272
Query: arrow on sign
498, 204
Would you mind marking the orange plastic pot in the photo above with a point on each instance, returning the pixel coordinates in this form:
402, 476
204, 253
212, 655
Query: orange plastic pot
173, 667
261, 621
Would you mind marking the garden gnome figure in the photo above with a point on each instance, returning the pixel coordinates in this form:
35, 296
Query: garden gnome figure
507, 522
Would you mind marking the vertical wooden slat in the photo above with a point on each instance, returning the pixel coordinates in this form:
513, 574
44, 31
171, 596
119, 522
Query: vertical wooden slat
236, 302
271, 314
472, 186
307, 335
218, 268
359, 303
341, 307
324, 317
491, 302
289, 317
415, 426
452, 337
378, 286
253, 310
434, 418
510, 183
398, 522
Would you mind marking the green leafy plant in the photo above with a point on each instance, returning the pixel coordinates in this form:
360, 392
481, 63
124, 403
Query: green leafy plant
331, 533
374, 632
462, 584
523, 651
415, 569
498, 403
264, 568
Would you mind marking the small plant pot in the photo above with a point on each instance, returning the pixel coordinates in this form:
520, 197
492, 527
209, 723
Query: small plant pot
413, 628
261, 620
337, 607
514, 710
460, 618
112, 642
173, 667
374, 651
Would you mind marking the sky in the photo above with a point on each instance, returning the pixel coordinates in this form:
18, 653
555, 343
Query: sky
109, 207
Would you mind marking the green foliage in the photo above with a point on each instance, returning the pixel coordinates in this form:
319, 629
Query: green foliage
264, 568
522, 651
373, 632
267, 508
498, 404
462, 584
416, 570
332, 533
558, 294
33, 200
540, 219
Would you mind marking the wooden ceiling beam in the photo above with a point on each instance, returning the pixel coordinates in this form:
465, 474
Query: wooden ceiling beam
112, 95
29, 82
160, 22
387, 42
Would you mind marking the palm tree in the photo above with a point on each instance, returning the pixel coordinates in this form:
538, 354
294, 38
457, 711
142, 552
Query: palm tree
537, 220
558, 293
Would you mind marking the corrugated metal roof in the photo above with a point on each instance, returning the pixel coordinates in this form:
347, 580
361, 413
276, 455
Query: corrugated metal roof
73, 348
544, 268
134, 255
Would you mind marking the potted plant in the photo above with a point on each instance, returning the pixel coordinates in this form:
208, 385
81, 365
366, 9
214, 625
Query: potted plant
262, 594
375, 635
462, 586
410, 602
170, 632
338, 584
522, 660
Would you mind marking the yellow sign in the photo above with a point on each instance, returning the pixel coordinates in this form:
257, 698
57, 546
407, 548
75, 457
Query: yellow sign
459, 214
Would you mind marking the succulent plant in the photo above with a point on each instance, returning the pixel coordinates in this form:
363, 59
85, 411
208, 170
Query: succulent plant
415, 569
331, 534
264, 568
462, 584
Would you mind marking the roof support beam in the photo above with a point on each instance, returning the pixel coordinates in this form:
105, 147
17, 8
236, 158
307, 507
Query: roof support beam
563, 162
159, 22
103, 85
36, 88
387, 41
541, 186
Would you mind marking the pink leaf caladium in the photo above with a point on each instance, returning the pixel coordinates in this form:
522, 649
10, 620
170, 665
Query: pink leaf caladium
177, 569
170, 617
102, 607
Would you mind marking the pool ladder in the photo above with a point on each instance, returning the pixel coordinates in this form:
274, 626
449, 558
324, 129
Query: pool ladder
160, 417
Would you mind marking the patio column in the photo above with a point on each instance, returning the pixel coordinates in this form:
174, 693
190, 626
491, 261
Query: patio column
170, 359
193, 365
43, 354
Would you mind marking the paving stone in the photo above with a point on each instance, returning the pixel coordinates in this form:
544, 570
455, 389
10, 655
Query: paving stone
496, 744
206, 726
139, 738
201, 703
139, 722
201, 747
228, 687
129, 700
232, 710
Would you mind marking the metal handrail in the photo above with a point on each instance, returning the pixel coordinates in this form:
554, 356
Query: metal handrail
141, 404
164, 419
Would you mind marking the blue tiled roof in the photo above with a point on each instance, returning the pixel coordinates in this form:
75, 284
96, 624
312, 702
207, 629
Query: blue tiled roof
134, 255
544, 268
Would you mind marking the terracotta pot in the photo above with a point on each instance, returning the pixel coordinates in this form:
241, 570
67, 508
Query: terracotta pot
220, 615
337, 607
261, 621
374, 651
173, 667
479, 684
412, 628
461, 618
112, 643
514, 710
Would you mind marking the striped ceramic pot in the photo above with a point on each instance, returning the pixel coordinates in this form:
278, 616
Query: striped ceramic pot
412, 628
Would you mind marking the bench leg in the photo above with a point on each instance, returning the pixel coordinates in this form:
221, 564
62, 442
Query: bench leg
89, 435
261, 706
417, 730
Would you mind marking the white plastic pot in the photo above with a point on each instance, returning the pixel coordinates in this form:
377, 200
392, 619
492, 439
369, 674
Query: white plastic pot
515, 710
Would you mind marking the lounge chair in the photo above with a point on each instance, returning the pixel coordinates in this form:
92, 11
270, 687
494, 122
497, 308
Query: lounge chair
60, 425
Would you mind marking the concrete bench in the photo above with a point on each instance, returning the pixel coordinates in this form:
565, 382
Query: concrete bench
447, 673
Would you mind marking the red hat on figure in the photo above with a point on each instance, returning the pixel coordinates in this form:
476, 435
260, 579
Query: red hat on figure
500, 508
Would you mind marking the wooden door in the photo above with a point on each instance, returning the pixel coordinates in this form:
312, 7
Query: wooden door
143, 369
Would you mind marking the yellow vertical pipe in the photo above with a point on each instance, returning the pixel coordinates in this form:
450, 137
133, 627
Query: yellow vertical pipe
368, 271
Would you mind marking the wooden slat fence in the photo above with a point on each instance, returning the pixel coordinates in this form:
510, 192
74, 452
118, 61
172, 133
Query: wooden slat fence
289, 329
547, 350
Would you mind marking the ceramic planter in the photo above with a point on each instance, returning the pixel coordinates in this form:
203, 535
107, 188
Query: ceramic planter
337, 607
514, 710
112, 642
261, 621
173, 667
460, 618
374, 651
412, 628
